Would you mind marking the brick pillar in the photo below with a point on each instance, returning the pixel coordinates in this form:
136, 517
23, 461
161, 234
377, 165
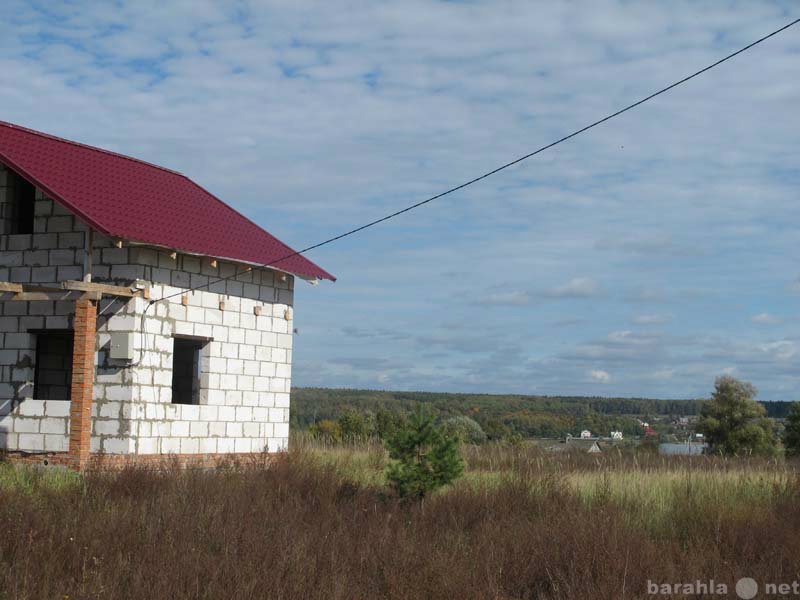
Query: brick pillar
80, 411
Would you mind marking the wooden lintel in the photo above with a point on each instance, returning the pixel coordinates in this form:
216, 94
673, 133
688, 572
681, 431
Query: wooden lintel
6, 286
54, 296
108, 290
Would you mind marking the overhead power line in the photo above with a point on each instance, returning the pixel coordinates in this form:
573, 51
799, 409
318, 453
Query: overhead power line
500, 168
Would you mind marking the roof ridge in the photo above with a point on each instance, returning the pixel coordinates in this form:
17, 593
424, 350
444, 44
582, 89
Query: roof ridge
87, 146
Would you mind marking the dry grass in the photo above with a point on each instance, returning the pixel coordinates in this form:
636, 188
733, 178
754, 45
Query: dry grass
317, 524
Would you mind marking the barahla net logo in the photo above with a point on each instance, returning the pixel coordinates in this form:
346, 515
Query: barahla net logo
746, 588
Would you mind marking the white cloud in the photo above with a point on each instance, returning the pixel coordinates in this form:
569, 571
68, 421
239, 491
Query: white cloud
579, 287
652, 319
506, 299
766, 319
600, 376
315, 121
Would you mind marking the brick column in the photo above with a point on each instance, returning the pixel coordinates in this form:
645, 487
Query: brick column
80, 412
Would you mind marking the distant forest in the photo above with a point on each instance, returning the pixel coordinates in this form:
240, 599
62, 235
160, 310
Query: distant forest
528, 416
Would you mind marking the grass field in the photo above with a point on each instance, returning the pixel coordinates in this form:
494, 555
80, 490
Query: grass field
319, 523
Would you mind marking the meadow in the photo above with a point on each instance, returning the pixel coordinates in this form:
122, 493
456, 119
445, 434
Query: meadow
319, 522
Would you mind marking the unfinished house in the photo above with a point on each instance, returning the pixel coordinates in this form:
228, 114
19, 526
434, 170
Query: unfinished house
137, 318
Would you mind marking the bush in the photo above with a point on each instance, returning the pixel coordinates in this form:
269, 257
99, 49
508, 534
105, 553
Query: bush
354, 426
423, 457
467, 430
326, 431
791, 437
387, 422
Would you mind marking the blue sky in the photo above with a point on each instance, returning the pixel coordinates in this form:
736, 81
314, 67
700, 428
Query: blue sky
643, 258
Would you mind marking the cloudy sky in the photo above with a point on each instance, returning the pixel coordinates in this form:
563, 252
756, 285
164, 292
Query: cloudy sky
645, 257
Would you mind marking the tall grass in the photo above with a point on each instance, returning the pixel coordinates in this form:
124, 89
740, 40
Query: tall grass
318, 524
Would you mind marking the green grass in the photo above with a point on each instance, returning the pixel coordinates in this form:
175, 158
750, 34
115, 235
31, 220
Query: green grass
33, 480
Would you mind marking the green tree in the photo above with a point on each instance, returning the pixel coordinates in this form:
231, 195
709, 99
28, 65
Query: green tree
467, 430
733, 422
791, 436
387, 422
355, 426
423, 457
326, 431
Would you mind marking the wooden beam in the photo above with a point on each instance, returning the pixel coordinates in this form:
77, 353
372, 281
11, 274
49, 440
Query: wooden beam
108, 290
6, 286
54, 296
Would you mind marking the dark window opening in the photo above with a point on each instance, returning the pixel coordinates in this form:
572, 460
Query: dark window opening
186, 365
52, 378
23, 195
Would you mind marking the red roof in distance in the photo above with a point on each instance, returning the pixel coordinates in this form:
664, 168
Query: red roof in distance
127, 198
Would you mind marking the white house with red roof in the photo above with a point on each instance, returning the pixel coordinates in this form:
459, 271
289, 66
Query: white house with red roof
137, 318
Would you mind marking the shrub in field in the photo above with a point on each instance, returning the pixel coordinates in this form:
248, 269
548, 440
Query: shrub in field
423, 457
465, 429
791, 437
326, 431
355, 426
387, 422
734, 423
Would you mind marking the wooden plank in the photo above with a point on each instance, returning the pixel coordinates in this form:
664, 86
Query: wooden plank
54, 296
6, 286
109, 290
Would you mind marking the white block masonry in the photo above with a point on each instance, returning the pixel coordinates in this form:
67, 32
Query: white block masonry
246, 359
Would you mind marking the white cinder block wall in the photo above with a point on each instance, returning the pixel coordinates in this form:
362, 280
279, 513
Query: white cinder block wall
246, 365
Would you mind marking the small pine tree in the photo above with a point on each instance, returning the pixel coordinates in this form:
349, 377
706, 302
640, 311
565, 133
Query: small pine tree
423, 458
791, 436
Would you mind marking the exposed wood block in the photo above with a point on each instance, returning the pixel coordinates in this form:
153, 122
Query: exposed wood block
6, 286
173, 255
257, 311
118, 243
185, 300
109, 290
222, 304
213, 263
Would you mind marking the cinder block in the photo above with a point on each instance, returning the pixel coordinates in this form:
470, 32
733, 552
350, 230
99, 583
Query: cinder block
251, 430
114, 256
53, 425
147, 446
110, 410
277, 444
33, 442
62, 257
198, 429
56, 443
227, 413
179, 429
61, 224
105, 427
207, 445
189, 446
74, 273
36, 258
170, 446
11, 259
225, 445
117, 445
31, 408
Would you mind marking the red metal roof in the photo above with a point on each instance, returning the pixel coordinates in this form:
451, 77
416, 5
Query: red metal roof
126, 198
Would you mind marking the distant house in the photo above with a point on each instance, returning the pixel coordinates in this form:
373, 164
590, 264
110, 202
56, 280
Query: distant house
616, 435
91, 370
586, 434
590, 446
